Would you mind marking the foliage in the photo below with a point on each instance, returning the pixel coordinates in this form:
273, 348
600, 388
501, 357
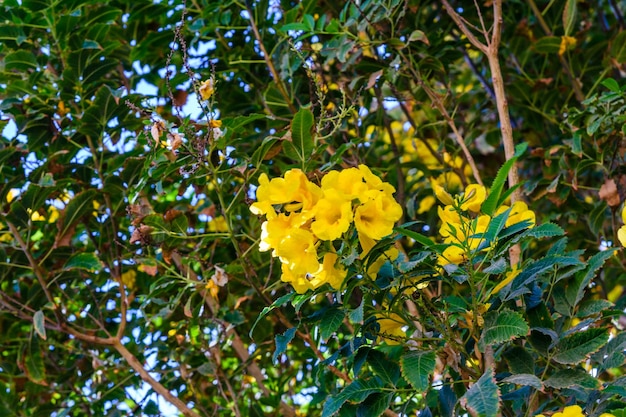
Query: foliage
396, 270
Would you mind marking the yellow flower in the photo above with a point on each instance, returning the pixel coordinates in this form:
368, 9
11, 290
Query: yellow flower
299, 282
519, 213
218, 224
426, 204
53, 214
5, 237
510, 276
348, 182
215, 123
328, 273
207, 89
277, 228
129, 279
441, 193
333, 215
375, 218
36, 216
473, 198
298, 250
294, 189
567, 42
570, 411
391, 325
213, 288
13, 192
453, 254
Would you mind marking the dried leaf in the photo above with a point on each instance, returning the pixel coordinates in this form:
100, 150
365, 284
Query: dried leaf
608, 192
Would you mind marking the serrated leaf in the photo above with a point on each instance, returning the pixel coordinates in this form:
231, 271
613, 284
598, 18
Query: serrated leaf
534, 270
567, 378
591, 307
520, 361
356, 392
330, 322
39, 324
545, 230
594, 264
613, 354
282, 341
483, 398
576, 347
407, 266
525, 379
374, 405
417, 367
501, 327
356, 315
86, 260
387, 370
491, 203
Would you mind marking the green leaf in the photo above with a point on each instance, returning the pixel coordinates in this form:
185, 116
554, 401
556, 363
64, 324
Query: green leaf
583, 278
613, 354
356, 315
374, 405
301, 145
33, 361
618, 47
330, 322
417, 367
20, 60
520, 361
279, 302
39, 325
592, 307
567, 378
569, 16
85, 260
548, 45
483, 398
490, 205
525, 379
180, 225
501, 327
611, 84
544, 230
282, 341
533, 271
387, 370
576, 347
415, 236
79, 206
356, 392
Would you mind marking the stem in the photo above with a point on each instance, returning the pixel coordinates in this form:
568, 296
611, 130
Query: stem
574, 82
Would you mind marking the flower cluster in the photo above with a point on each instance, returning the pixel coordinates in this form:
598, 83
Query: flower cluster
573, 411
621, 233
462, 223
300, 215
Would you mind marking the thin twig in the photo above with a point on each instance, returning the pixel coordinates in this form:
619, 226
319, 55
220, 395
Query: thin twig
156, 385
268, 61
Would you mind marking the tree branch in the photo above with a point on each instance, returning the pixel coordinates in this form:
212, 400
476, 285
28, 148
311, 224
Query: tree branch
156, 385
